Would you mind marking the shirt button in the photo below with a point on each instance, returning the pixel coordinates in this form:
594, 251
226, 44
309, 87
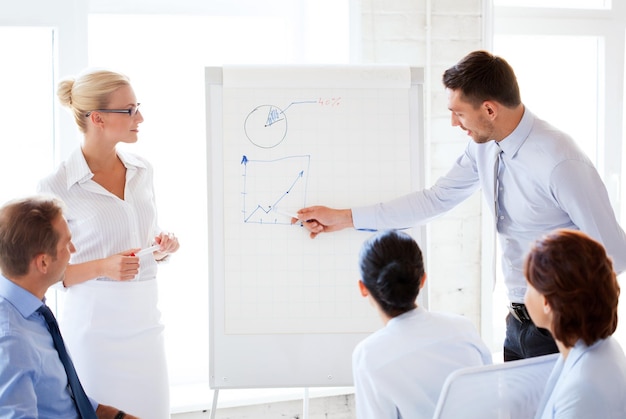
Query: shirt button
502, 217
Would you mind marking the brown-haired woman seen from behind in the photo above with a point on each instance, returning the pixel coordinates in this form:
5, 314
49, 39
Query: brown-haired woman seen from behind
573, 292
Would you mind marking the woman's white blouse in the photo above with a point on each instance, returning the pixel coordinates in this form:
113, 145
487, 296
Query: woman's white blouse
112, 328
589, 384
400, 369
101, 223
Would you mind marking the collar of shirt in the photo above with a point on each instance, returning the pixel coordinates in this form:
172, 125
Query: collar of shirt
411, 313
25, 302
78, 171
514, 141
577, 351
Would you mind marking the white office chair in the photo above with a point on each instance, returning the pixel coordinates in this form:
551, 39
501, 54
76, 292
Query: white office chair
511, 390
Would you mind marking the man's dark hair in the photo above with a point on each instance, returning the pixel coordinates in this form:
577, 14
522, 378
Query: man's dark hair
482, 76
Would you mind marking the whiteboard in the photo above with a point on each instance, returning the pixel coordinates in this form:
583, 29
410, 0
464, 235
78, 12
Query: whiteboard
285, 310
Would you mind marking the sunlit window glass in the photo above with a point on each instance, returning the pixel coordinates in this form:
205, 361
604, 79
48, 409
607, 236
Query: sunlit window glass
559, 80
26, 109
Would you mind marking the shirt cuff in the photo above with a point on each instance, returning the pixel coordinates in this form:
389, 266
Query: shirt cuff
364, 218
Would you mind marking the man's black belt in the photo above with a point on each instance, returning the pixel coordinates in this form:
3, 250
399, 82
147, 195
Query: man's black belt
520, 313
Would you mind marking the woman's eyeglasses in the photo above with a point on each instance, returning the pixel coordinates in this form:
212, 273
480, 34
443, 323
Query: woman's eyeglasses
131, 111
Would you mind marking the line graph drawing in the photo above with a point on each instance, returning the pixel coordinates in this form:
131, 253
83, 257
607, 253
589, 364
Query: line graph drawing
266, 125
273, 184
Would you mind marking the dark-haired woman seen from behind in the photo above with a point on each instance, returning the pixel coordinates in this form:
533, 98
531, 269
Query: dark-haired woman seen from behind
573, 292
400, 369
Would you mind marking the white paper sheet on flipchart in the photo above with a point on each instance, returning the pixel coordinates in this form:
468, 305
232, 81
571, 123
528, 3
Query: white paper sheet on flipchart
348, 132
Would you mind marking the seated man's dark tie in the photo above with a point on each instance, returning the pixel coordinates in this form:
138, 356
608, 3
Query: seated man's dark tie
85, 409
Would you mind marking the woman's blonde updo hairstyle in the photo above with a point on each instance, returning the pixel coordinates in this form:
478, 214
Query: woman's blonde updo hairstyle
89, 91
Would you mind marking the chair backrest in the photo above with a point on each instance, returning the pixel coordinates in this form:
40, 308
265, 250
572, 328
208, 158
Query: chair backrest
511, 390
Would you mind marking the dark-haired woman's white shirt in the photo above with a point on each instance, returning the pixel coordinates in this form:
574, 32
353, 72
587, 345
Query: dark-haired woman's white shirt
400, 369
589, 384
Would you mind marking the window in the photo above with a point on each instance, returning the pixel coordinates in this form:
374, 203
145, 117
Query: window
566, 61
27, 148
559, 78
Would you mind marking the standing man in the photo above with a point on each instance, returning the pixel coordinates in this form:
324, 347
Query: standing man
534, 178
37, 378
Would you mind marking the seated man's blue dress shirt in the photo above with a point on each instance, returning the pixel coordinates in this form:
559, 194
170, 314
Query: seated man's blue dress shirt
33, 382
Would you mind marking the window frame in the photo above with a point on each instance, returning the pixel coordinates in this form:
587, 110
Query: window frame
68, 19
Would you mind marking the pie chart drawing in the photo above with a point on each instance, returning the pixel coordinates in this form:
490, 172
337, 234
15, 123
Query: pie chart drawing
266, 126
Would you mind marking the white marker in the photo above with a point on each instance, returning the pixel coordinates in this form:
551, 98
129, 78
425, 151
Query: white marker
285, 213
148, 250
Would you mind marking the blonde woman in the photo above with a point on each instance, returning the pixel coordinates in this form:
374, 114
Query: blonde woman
110, 319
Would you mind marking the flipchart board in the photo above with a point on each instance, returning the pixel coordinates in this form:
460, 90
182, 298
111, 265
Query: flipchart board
285, 310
